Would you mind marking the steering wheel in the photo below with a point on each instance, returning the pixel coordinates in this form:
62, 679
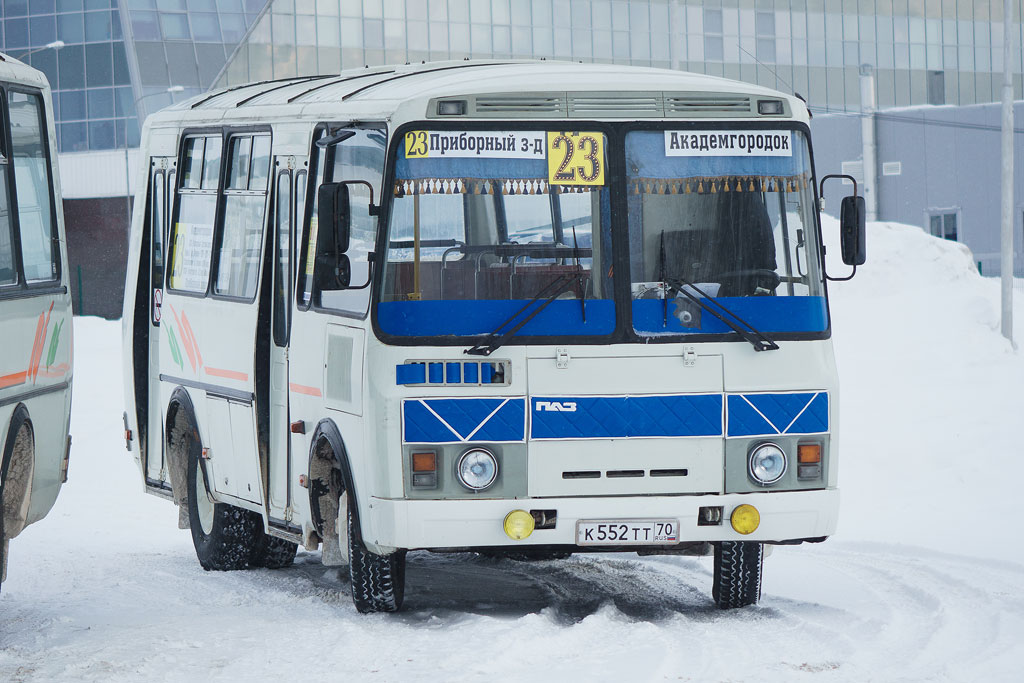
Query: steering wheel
766, 279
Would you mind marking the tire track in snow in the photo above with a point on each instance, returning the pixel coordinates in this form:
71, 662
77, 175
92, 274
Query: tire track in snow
840, 611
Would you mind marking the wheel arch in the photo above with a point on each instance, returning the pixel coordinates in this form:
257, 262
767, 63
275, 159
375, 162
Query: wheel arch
327, 452
15, 511
181, 432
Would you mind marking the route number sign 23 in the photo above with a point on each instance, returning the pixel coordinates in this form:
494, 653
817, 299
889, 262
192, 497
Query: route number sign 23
575, 158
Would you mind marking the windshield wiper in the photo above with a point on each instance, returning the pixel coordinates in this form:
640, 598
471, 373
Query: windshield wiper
757, 339
496, 337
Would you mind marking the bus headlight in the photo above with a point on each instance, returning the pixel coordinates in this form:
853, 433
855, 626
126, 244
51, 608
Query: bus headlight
767, 464
477, 469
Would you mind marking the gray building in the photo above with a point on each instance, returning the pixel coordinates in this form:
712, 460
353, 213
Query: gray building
111, 62
937, 167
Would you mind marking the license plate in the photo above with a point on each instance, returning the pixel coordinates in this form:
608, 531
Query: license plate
627, 532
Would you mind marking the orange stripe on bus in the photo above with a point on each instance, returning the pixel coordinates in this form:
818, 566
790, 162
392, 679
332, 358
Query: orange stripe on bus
13, 380
227, 374
303, 389
188, 329
55, 371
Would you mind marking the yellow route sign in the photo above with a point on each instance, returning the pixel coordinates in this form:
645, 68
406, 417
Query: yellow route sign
575, 158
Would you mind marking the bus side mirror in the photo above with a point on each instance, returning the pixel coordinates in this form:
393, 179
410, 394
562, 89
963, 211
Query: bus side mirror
851, 230
334, 214
333, 269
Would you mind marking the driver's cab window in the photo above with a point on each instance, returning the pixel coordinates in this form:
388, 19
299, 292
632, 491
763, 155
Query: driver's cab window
357, 158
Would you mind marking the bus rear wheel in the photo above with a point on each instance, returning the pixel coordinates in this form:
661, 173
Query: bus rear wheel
737, 576
225, 536
378, 581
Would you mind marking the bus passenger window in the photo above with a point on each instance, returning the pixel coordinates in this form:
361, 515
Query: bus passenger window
191, 242
282, 262
244, 213
8, 275
32, 180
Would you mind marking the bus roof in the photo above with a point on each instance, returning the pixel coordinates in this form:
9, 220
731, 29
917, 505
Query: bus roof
14, 71
492, 89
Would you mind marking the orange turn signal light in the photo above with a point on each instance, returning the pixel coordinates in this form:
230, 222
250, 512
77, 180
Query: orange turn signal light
424, 462
809, 453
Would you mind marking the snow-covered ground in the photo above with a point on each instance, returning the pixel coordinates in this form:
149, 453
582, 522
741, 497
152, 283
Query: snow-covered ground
922, 582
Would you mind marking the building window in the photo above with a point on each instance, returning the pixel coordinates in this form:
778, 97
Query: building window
936, 87
944, 223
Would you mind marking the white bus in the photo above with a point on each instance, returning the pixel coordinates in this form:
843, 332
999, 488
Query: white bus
524, 308
35, 306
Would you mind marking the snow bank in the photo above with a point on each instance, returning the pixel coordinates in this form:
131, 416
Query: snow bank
930, 396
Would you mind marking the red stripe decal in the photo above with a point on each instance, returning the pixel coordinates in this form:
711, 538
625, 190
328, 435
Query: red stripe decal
303, 389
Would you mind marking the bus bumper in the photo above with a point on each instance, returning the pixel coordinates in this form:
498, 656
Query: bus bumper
436, 524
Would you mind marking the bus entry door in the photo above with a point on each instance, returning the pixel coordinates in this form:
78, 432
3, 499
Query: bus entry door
289, 199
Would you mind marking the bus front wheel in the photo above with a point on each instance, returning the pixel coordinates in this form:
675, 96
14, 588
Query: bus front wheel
225, 536
737, 576
378, 581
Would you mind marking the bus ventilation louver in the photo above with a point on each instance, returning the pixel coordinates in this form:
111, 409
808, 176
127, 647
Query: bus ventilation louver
511, 104
721, 104
607, 104
448, 373
612, 105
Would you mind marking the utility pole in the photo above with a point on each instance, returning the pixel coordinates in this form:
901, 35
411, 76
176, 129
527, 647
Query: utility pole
1006, 241
867, 135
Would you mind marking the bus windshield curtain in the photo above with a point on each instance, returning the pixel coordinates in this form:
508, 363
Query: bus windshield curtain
651, 171
472, 176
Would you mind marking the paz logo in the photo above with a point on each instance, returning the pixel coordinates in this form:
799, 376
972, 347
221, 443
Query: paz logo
556, 406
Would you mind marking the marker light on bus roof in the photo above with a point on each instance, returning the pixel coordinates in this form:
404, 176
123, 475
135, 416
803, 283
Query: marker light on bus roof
451, 108
770, 107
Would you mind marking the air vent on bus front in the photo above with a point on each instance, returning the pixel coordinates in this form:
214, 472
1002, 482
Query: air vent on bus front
640, 104
711, 103
526, 104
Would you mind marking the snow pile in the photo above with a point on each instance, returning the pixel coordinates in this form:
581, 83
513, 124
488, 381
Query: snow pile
108, 589
930, 396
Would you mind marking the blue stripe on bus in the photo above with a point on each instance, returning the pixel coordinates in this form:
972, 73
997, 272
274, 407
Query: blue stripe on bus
607, 417
467, 318
766, 313
772, 414
459, 420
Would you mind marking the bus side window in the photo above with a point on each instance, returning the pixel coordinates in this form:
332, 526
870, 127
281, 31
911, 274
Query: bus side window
8, 270
156, 227
32, 188
283, 257
311, 225
244, 213
191, 239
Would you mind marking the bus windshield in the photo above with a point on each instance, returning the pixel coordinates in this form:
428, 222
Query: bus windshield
477, 230
730, 213
480, 224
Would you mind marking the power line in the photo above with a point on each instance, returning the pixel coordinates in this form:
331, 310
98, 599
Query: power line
898, 118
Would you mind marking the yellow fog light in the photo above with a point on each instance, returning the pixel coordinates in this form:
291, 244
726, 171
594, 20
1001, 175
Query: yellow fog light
745, 519
518, 524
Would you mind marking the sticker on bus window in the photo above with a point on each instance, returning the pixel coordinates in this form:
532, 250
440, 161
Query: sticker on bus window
575, 158
472, 144
728, 143
193, 244
314, 225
